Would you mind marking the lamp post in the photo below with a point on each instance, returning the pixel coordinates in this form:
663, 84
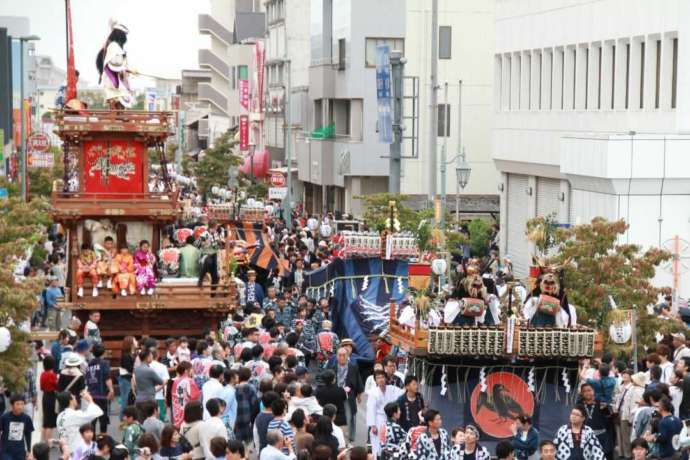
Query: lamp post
22, 140
462, 172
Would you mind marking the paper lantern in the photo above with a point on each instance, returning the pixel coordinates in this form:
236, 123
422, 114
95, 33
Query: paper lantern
260, 164
5, 339
439, 266
620, 333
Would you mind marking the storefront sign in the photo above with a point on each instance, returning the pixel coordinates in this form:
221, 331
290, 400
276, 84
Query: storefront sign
277, 193
244, 132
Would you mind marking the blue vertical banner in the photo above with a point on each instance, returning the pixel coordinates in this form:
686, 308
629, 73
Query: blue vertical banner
383, 93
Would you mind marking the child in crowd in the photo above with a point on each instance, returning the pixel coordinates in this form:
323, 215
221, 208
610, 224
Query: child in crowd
131, 430
87, 446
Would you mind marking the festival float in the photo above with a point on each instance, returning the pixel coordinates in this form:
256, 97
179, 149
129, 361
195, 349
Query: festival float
109, 207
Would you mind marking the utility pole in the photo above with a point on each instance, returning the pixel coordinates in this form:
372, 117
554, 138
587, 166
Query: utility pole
444, 154
287, 205
457, 158
22, 141
397, 66
433, 103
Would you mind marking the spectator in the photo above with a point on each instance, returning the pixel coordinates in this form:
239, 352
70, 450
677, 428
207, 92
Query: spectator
126, 370
162, 371
70, 419
349, 379
213, 387
100, 384
280, 423
193, 418
87, 446
247, 406
547, 450
331, 411
170, 442
639, 449
303, 439
668, 427
330, 393
146, 378
184, 390
211, 427
504, 450
274, 449
15, 431
525, 439
152, 423
48, 384
577, 440
131, 429
411, 403
323, 435
264, 418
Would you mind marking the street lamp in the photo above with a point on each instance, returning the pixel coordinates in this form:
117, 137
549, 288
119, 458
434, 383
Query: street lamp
462, 172
22, 156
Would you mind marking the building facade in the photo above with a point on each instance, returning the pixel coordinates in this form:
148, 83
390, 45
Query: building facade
590, 118
348, 162
462, 57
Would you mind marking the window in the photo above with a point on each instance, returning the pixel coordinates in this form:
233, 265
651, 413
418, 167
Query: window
444, 120
586, 77
627, 72
658, 74
242, 72
371, 44
641, 74
613, 75
444, 42
341, 54
601, 51
674, 73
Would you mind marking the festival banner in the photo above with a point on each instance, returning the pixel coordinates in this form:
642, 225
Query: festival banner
258, 96
244, 132
383, 94
113, 166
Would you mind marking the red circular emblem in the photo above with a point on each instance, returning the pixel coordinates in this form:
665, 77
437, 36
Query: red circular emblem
506, 398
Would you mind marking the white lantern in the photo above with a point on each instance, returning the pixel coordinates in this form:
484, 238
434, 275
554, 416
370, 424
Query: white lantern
439, 266
620, 333
5, 339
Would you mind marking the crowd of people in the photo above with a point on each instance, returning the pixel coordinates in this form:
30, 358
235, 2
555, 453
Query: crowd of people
275, 382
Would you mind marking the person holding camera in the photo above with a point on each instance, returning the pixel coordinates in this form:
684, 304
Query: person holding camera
70, 419
598, 418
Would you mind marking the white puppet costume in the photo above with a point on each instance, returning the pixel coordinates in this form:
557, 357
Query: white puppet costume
547, 305
111, 63
475, 304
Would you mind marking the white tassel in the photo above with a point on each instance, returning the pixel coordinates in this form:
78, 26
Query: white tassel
482, 380
444, 381
566, 382
530, 380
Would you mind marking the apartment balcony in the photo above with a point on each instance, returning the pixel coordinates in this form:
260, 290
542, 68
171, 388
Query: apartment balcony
210, 26
210, 60
207, 92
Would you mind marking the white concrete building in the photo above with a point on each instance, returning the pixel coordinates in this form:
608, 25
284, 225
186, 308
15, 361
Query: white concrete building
233, 27
466, 42
591, 115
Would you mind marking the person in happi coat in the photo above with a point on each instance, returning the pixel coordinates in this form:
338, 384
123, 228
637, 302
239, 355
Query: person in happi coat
254, 292
377, 398
433, 443
576, 440
392, 436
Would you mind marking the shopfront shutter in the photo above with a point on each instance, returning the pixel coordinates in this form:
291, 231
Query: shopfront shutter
516, 220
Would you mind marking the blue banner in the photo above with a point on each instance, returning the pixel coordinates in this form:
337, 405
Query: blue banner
383, 93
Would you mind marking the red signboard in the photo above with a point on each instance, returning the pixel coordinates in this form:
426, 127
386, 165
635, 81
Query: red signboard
277, 179
244, 94
244, 132
38, 142
113, 166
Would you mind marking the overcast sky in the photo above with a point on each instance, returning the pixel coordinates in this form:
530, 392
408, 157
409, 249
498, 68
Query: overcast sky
163, 36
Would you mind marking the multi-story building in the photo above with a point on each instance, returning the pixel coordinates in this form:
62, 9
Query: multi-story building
342, 92
591, 111
234, 26
287, 63
461, 57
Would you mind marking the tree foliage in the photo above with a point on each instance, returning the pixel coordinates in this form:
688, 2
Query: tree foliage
544, 232
212, 168
601, 267
22, 226
41, 179
480, 237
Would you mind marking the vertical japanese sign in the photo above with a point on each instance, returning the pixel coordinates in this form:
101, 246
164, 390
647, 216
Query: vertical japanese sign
150, 99
244, 94
259, 77
383, 94
244, 132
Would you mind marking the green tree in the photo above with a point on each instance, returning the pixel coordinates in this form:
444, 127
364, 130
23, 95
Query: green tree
41, 179
212, 168
598, 267
480, 237
543, 231
22, 226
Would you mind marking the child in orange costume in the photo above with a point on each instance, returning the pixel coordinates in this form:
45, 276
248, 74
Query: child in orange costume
123, 272
86, 266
